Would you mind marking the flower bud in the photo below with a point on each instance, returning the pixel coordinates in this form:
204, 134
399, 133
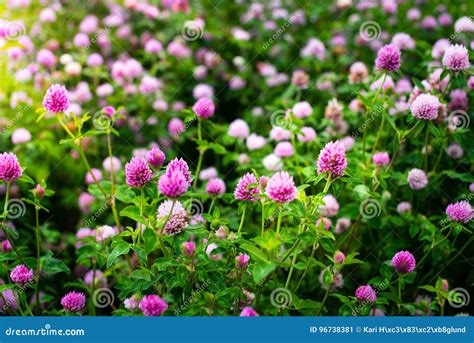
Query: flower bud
189, 248
242, 261
38, 192
339, 257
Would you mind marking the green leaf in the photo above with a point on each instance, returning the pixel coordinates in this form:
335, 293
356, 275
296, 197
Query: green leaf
410, 308
254, 252
217, 148
434, 130
460, 176
300, 304
418, 83
26, 178
51, 265
261, 270
121, 248
432, 289
6, 286
418, 127
133, 212
149, 240
444, 74
141, 274
364, 100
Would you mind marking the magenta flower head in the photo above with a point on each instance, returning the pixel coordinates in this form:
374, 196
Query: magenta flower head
404, 262
56, 99
188, 248
204, 108
425, 106
173, 183
152, 305
388, 58
246, 188
10, 168
21, 274
73, 301
417, 179
180, 165
137, 172
215, 186
332, 159
281, 187
242, 261
248, 312
381, 159
456, 58
460, 212
155, 157
365, 294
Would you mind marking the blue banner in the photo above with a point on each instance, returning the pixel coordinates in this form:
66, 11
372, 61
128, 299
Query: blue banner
237, 329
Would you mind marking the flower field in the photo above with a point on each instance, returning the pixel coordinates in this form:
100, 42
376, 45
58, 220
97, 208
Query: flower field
236, 158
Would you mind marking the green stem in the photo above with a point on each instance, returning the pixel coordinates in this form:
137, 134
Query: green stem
212, 205
324, 301
306, 268
89, 170
328, 183
201, 155
91, 304
5, 206
112, 183
426, 149
280, 212
110, 200
379, 132
438, 159
288, 279
242, 219
364, 137
5, 231
293, 261
399, 290
263, 217
142, 202
19, 307
60, 120
38, 257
